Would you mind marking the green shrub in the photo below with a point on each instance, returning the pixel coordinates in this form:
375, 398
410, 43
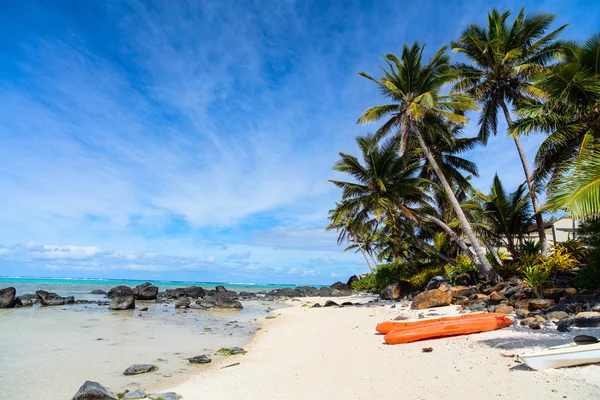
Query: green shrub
535, 276
422, 278
559, 260
587, 278
530, 246
572, 247
501, 255
366, 284
464, 265
529, 260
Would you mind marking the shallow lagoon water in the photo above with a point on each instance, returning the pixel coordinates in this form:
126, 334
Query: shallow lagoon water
48, 352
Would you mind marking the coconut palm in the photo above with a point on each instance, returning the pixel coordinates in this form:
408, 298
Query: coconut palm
571, 115
504, 59
419, 110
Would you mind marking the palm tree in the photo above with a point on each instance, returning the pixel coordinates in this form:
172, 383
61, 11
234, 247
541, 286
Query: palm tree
419, 110
571, 115
504, 59
508, 215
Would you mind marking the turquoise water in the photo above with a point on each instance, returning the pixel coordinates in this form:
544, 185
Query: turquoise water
81, 288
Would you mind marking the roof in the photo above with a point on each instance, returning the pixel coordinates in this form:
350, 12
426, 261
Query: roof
533, 227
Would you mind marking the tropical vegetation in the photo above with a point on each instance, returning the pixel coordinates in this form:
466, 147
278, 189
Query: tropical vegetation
407, 200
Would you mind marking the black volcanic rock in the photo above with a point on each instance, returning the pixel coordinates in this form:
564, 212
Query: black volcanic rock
7, 297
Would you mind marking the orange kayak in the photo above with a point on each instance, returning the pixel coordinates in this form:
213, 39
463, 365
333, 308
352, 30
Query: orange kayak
448, 328
388, 326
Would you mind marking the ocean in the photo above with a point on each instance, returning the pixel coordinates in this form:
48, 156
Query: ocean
48, 352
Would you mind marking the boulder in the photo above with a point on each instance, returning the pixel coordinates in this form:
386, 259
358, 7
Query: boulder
94, 391
316, 305
579, 322
435, 282
431, 298
467, 291
504, 309
521, 313
52, 299
183, 302
511, 291
203, 359
98, 291
7, 297
145, 291
324, 291
495, 296
535, 325
587, 314
330, 303
557, 315
27, 300
135, 394
341, 286
194, 292
120, 291
220, 301
122, 302
396, 290
355, 278
540, 304
137, 369
496, 288
552, 293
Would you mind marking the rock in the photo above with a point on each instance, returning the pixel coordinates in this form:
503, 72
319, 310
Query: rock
431, 298
557, 315
534, 325
511, 291
135, 394
401, 318
527, 321
495, 288
505, 309
94, 391
540, 318
27, 300
164, 396
435, 282
7, 297
552, 293
231, 351
467, 291
137, 369
183, 303
145, 291
341, 286
120, 291
193, 292
396, 290
521, 313
144, 309
330, 303
98, 291
316, 305
569, 291
52, 299
122, 302
540, 304
495, 296
220, 301
324, 291
481, 296
579, 322
203, 359
355, 278
587, 314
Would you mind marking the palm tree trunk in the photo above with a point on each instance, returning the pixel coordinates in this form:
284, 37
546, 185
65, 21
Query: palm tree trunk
421, 243
534, 201
487, 244
482, 263
362, 251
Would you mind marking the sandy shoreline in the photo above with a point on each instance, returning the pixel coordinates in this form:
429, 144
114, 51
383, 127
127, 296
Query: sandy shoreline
331, 353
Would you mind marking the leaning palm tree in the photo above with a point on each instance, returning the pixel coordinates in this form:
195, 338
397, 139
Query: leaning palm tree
571, 115
419, 110
504, 59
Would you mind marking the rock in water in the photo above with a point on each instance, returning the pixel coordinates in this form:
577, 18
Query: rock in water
431, 298
396, 290
7, 297
26, 300
98, 291
122, 302
94, 391
135, 394
120, 291
52, 299
203, 359
137, 369
164, 396
183, 302
220, 301
145, 291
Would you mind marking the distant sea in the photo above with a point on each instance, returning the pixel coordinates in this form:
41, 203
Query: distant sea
80, 288
48, 352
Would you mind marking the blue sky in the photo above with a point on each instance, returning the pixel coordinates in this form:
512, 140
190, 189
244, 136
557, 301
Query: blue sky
194, 139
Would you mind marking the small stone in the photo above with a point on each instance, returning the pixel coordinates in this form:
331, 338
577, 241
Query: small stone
164, 396
136, 369
144, 309
401, 318
527, 321
504, 309
135, 394
521, 313
557, 315
540, 304
231, 351
183, 303
540, 319
534, 325
203, 359
495, 296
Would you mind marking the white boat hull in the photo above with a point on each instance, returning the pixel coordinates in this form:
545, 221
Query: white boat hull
563, 356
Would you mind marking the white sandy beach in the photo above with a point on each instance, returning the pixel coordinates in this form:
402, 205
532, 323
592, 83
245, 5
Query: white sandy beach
335, 353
